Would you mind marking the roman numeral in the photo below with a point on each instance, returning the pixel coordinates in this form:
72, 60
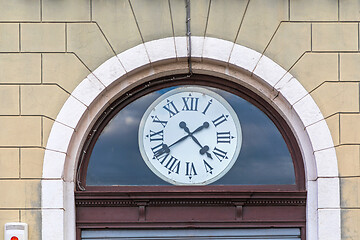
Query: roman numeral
220, 154
207, 107
223, 137
190, 170
158, 151
162, 157
173, 165
156, 136
220, 120
208, 168
171, 108
190, 103
157, 120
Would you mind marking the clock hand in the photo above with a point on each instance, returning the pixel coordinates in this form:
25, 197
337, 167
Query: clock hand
205, 125
183, 126
204, 149
180, 140
166, 148
196, 141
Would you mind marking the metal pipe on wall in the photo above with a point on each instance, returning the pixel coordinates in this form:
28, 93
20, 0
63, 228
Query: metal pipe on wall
188, 34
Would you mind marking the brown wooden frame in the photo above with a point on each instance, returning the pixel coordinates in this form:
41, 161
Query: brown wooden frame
184, 206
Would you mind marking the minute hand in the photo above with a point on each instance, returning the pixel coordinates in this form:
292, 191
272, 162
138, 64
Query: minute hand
180, 140
203, 149
196, 141
166, 148
183, 125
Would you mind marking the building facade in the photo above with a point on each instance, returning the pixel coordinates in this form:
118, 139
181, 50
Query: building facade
63, 63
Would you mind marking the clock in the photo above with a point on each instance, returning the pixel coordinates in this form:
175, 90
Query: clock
190, 136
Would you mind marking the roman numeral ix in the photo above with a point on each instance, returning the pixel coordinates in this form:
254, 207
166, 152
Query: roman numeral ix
156, 136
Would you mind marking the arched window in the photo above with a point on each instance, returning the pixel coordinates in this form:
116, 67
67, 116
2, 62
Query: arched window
186, 152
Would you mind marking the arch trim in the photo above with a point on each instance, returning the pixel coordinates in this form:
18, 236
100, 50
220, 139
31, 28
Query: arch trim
164, 57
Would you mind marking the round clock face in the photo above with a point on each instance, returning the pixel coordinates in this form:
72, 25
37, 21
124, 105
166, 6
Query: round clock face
190, 136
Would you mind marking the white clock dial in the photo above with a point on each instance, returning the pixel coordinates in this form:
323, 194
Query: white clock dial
190, 136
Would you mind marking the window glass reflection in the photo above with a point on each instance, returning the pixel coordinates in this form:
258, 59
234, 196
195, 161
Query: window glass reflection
264, 157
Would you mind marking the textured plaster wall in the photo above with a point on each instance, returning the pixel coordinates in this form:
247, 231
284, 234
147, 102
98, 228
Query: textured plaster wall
48, 47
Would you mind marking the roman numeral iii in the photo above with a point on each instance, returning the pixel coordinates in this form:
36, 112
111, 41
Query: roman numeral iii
223, 137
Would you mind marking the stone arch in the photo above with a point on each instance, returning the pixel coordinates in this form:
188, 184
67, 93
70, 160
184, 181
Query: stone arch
210, 56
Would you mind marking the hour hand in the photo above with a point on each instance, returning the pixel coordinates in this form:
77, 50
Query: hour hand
183, 126
203, 150
205, 125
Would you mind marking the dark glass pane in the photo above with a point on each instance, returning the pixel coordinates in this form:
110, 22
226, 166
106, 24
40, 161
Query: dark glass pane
264, 157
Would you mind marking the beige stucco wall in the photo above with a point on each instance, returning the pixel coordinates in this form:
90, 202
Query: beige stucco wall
48, 47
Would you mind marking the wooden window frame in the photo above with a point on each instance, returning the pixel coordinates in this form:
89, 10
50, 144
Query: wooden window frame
239, 206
